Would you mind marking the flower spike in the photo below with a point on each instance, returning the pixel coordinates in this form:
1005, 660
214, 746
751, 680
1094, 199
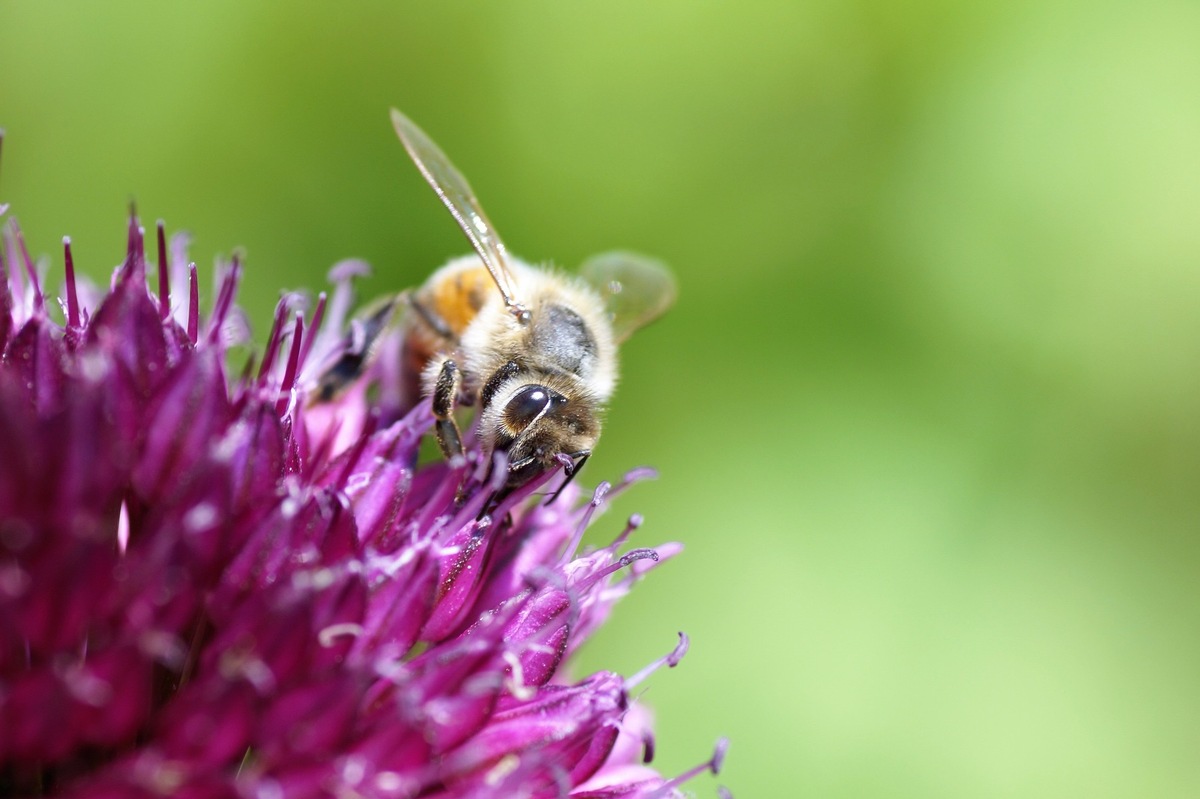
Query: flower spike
223, 583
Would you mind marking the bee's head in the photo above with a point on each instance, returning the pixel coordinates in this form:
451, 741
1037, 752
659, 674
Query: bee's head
535, 419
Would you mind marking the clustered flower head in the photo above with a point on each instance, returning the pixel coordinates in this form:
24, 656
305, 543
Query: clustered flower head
213, 585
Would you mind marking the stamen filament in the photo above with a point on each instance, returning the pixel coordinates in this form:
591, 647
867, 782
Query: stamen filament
577, 537
628, 558
713, 764
670, 660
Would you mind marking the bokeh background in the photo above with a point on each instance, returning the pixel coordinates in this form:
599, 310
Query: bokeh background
926, 412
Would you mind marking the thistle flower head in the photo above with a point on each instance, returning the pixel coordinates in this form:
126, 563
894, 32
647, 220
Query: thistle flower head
213, 585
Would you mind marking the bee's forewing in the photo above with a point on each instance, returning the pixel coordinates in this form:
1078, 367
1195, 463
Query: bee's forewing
455, 193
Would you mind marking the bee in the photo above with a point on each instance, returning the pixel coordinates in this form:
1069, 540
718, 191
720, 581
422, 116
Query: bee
534, 350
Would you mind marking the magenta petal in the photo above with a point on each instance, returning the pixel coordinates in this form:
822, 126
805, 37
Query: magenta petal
109, 691
209, 724
539, 632
182, 425
38, 360
293, 536
461, 572
126, 328
70, 577
521, 550
255, 449
392, 744
313, 720
266, 640
560, 725
337, 618
379, 484
36, 710
455, 687
400, 602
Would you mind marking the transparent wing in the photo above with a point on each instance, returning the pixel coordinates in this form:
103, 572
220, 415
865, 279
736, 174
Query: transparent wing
636, 289
455, 193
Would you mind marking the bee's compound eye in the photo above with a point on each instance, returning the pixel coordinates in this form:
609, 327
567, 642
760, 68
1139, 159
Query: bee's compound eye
526, 405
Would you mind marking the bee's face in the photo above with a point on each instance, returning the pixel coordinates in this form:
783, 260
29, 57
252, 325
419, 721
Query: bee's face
534, 423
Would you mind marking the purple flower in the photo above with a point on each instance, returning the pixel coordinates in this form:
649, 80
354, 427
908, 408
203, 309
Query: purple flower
212, 585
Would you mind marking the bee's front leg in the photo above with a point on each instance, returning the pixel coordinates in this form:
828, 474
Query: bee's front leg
445, 394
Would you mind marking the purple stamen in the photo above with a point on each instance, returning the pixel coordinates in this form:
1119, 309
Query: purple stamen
163, 287
648, 747
633, 556
679, 651
577, 537
72, 294
635, 521
632, 477
289, 373
713, 764
719, 752
670, 660
193, 328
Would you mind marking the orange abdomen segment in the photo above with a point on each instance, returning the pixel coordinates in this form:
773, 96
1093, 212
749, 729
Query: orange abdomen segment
445, 307
456, 297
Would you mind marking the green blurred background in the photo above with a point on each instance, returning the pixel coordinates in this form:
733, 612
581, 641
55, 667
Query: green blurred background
926, 411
